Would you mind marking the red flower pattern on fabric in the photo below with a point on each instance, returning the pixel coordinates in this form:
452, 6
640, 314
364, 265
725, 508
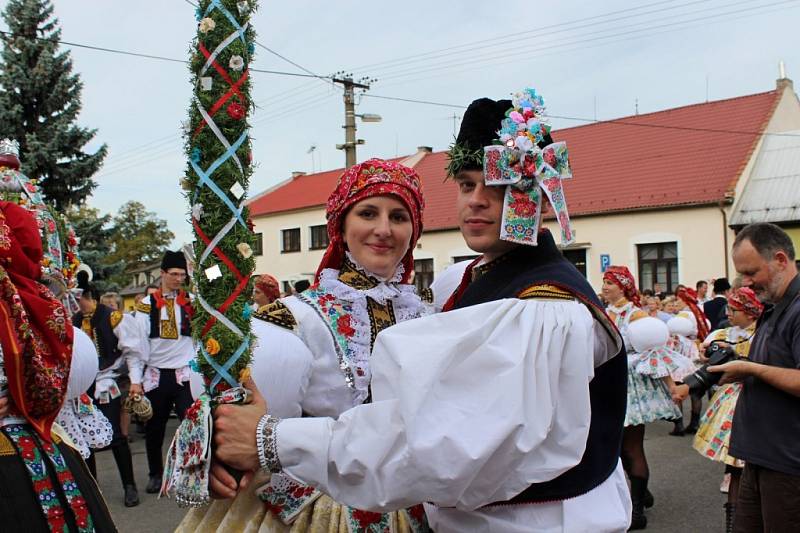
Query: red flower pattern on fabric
366, 518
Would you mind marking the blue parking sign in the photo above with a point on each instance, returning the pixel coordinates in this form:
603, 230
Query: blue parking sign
605, 262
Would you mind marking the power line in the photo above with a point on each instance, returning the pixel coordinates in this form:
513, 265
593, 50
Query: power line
621, 121
493, 56
536, 34
150, 56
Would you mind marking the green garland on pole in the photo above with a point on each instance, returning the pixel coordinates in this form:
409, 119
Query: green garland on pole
217, 176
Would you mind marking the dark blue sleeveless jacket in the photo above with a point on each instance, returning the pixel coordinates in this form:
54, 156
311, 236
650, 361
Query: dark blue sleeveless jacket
507, 277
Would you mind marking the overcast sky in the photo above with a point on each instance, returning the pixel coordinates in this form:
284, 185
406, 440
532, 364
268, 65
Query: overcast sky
589, 59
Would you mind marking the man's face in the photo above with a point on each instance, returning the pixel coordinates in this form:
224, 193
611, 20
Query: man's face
173, 279
765, 277
702, 290
480, 210
86, 303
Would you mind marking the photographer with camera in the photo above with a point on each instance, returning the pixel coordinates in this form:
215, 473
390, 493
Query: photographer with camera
713, 436
766, 423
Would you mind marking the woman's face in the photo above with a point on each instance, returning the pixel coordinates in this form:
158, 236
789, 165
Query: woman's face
611, 291
259, 298
377, 231
652, 305
738, 318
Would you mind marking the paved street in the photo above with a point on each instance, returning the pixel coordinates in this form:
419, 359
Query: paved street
685, 485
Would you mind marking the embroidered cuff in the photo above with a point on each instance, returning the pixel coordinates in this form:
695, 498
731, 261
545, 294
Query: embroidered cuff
266, 440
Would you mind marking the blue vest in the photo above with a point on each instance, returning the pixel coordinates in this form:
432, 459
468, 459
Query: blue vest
507, 277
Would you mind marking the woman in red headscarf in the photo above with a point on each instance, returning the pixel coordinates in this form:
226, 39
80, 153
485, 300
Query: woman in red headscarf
713, 435
46, 485
650, 368
265, 290
313, 350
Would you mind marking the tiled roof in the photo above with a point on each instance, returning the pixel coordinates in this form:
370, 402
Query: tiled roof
682, 156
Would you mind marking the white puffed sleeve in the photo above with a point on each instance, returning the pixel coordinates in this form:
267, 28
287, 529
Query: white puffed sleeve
647, 333
84, 366
446, 282
470, 407
281, 368
133, 334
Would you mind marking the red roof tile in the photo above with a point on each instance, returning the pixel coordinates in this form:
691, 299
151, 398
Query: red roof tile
681, 156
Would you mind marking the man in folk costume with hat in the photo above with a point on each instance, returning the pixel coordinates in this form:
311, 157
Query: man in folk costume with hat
504, 412
160, 370
106, 327
46, 486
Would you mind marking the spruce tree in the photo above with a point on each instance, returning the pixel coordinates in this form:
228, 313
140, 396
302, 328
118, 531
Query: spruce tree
40, 99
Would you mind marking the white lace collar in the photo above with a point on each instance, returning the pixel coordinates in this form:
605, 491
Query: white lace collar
406, 305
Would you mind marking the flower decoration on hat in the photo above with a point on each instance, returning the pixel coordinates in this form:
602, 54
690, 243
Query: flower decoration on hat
527, 163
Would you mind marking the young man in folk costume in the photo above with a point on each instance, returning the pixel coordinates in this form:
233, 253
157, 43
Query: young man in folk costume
160, 369
505, 412
106, 327
46, 486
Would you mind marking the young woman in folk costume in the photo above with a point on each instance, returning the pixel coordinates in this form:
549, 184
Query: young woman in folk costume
46, 484
713, 435
312, 356
687, 330
650, 382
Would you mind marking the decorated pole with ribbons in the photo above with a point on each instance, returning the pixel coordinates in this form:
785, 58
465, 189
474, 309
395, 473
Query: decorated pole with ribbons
217, 175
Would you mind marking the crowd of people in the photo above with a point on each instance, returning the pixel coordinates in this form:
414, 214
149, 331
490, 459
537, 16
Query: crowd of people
509, 397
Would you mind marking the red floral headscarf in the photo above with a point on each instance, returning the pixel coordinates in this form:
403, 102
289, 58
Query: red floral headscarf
374, 177
269, 286
34, 331
745, 300
622, 277
689, 297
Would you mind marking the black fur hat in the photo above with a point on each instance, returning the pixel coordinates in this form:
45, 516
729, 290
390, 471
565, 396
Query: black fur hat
478, 129
173, 260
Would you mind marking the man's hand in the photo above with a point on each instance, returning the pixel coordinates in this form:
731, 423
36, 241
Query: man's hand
235, 431
223, 485
736, 370
679, 393
136, 389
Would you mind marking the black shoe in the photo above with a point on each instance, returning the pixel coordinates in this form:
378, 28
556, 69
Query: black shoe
638, 492
131, 496
649, 500
678, 430
691, 429
154, 485
730, 513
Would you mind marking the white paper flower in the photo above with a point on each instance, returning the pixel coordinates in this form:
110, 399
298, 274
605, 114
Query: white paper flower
245, 250
236, 63
523, 143
207, 25
242, 7
197, 211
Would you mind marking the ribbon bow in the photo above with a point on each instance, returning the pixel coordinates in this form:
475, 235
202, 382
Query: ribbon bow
526, 170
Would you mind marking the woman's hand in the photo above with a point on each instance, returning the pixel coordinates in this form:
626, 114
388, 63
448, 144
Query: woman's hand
679, 393
5, 407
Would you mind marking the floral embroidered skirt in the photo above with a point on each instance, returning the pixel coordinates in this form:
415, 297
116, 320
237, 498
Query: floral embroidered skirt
295, 508
648, 398
714, 434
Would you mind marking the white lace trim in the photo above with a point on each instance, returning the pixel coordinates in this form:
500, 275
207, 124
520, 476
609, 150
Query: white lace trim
88, 430
405, 303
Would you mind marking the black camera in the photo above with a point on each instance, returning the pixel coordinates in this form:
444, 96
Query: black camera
718, 353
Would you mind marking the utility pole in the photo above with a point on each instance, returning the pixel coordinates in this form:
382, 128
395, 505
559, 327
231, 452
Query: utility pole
350, 141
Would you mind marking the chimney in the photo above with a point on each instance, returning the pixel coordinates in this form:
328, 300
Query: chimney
425, 149
783, 82
297, 174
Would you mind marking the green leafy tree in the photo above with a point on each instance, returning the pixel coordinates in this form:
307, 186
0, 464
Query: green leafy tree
95, 233
138, 237
40, 99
